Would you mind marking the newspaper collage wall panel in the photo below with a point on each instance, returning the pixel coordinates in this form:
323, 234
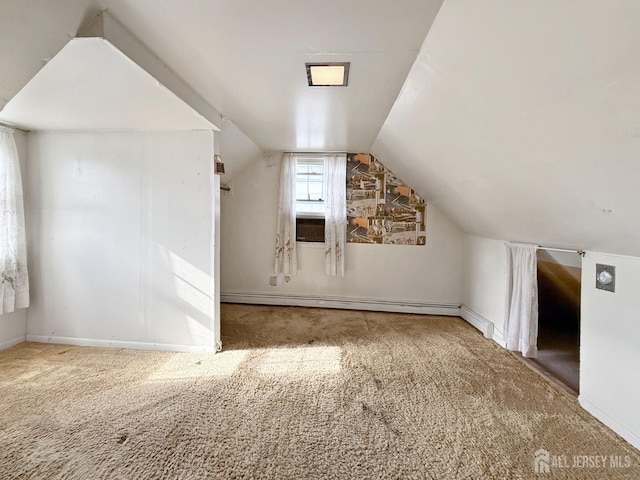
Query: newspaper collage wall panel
380, 207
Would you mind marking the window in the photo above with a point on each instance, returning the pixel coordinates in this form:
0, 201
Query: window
309, 187
310, 198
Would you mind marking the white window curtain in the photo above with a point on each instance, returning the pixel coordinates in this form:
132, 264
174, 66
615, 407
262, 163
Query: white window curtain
286, 257
335, 217
522, 299
14, 281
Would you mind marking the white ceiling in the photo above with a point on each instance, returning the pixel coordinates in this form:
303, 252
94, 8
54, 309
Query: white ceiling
247, 59
31, 33
521, 121
90, 84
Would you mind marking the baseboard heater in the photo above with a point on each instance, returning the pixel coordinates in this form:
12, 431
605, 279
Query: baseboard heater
341, 302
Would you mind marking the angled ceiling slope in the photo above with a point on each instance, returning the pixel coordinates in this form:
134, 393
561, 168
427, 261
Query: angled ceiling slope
520, 122
92, 85
247, 58
238, 151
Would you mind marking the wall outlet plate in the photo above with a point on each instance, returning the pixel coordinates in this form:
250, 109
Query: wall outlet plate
605, 277
273, 281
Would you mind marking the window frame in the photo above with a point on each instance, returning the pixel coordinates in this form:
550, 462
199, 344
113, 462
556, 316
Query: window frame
309, 159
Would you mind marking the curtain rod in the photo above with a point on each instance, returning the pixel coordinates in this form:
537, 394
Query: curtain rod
6, 128
314, 153
579, 252
553, 249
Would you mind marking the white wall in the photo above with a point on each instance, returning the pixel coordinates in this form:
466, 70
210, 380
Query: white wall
392, 274
121, 239
13, 326
610, 345
485, 285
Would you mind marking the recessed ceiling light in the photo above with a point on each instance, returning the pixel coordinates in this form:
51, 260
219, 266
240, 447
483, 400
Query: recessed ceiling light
328, 74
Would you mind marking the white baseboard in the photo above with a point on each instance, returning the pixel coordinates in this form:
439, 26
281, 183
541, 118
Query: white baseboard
499, 339
609, 421
481, 323
12, 342
91, 342
377, 305
486, 326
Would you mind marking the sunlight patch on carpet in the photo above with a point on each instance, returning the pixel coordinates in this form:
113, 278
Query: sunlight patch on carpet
302, 360
182, 367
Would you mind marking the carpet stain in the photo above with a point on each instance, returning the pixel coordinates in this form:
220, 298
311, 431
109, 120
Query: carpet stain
380, 417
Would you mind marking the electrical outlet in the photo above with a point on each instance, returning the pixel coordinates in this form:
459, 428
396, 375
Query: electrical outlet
273, 281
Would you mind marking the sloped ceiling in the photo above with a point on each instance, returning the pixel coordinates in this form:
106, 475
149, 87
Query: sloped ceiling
237, 150
521, 121
247, 59
91, 85
32, 32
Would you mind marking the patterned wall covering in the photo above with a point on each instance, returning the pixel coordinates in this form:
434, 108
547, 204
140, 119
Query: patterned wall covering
380, 207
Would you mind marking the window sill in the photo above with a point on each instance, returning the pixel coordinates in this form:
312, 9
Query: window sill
310, 245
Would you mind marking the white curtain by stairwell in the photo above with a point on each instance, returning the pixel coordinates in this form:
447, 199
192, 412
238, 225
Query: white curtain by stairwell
335, 216
14, 280
286, 256
522, 299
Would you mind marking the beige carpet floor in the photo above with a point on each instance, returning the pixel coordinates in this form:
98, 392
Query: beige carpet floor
297, 394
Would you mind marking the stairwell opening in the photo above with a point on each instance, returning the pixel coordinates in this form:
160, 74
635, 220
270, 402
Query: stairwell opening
559, 286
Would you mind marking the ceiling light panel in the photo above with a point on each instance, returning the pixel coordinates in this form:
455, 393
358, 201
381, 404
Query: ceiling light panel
328, 74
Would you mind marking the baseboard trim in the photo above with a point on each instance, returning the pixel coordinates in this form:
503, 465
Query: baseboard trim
609, 421
474, 318
377, 305
498, 339
92, 342
12, 342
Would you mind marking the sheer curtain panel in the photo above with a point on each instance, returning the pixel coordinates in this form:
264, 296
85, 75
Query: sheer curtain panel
14, 282
522, 299
335, 217
286, 258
